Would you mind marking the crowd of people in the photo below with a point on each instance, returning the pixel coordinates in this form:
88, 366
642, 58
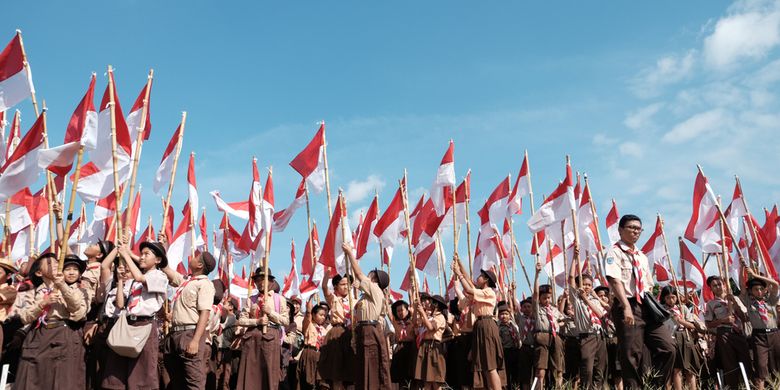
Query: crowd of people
64, 319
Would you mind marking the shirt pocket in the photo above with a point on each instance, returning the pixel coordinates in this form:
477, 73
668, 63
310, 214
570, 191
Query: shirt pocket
626, 271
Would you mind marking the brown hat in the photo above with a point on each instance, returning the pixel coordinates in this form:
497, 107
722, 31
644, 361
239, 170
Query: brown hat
209, 262
260, 274
383, 279
440, 301
73, 259
158, 249
491, 276
8, 265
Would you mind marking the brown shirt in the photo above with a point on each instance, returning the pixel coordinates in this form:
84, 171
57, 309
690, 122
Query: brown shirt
7, 299
90, 281
70, 304
754, 315
191, 297
440, 322
369, 306
339, 309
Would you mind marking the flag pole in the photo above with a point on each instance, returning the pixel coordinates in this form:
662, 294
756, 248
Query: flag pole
535, 242
552, 265
29, 72
117, 190
600, 247
71, 204
685, 281
344, 234
167, 202
310, 243
468, 223
517, 253
266, 257
139, 141
669, 262
193, 213
327, 175
412, 276
15, 142
723, 217
439, 263
753, 229
149, 230
49, 189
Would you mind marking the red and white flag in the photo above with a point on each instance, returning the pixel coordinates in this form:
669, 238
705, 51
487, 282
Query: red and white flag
693, 272
654, 248
81, 131
291, 282
163, 174
771, 232
392, 223
102, 155
134, 215
94, 183
268, 203
21, 168
282, 217
613, 221
521, 189
311, 254
255, 211
3, 140
227, 239
14, 136
15, 78
310, 162
492, 215
662, 275
367, 231
192, 190
704, 209
441, 190
236, 209
134, 117
589, 239
406, 283
181, 243
332, 254
557, 207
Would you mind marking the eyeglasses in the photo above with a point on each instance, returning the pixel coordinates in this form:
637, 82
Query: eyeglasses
634, 228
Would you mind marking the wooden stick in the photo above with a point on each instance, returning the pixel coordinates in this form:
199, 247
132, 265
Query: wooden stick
49, 189
167, 202
519, 259
344, 234
671, 267
533, 211
552, 265
139, 144
412, 261
685, 280
309, 242
266, 255
439, 263
468, 226
69, 215
327, 175
29, 72
117, 189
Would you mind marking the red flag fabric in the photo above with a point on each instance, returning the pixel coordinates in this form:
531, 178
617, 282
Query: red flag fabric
310, 162
367, 231
15, 80
332, 254
21, 169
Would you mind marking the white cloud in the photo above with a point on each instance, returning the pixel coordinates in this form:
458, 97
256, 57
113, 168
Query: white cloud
631, 149
642, 117
748, 35
667, 70
695, 126
601, 139
358, 190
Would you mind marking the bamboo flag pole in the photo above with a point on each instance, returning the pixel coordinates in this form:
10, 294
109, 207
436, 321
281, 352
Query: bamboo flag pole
71, 204
344, 234
139, 143
405, 196
682, 268
167, 201
468, 222
149, 230
753, 229
15, 142
29, 72
600, 248
669, 262
552, 267
439, 263
112, 111
535, 240
327, 175
266, 255
49, 189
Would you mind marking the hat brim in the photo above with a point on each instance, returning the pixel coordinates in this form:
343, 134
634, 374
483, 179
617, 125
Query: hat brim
157, 252
82, 266
10, 268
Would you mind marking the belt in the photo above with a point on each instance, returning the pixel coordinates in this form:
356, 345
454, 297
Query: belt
723, 329
59, 323
133, 317
764, 331
181, 328
484, 317
368, 323
311, 347
586, 335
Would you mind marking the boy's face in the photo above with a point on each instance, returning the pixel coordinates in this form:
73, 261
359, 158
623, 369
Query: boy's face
717, 287
342, 287
758, 291
319, 317
526, 309
148, 259
545, 299
401, 311
504, 316
71, 273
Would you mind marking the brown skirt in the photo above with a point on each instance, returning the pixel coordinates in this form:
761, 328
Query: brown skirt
337, 359
140, 373
373, 368
308, 375
487, 353
402, 365
430, 364
686, 353
261, 360
51, 358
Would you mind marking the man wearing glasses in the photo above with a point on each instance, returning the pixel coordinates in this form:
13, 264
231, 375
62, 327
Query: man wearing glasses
629, 278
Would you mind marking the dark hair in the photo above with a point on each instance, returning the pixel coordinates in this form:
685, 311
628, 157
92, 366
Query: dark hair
316, 308
524, 301
665, 292
581, 277
394, 309
454, 308
545, 289
628, 218
712, 279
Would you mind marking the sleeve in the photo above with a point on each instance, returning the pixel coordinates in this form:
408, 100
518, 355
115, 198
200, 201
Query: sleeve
7, 294
441, 321
31, 309
773, 300
243, 318
205, 296
176, 280
284, 312
612, 266
365, 286
75, 301
156, 282
484, 295
709, 315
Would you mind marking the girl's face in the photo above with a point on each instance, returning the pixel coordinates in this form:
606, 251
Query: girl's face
319, 316
342, 287
758, 292
148, 260
482, 281
401, 311
71, 273
92, 251
717, 287
671, 300
427, 305
587, 285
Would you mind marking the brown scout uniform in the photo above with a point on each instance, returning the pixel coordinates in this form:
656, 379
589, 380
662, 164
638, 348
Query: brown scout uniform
192, 296
337, 358
261, 353
592, 344
53, 353
731, 345
373, 359
620, 269
765, 340
430, 363
548, 350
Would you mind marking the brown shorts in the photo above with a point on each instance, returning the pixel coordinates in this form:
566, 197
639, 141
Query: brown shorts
548, 352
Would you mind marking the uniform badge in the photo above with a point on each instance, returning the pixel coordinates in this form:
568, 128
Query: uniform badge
610, 260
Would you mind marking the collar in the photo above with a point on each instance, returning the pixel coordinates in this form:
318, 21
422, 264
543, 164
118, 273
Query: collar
93, 266
625, 248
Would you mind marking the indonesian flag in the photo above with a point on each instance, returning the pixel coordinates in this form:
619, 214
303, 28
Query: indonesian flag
557, 207
77, 230
613, 221
392, 222
654, 247
147, 235
758, 246
662, 275
136, 112
163, 174
15, 78
704, 209
406, 283
462, 195
255, 211
227, 239
492, 215
268, 203
332, 254
771, 234
134, 215
102, 155
282, 217
310, 162
81, 131
14, 137
204, 235
441, 190
311, 253
181, 244
734, 214
453, 288
366, 232
192, 189
239, 287
693, 272
308, 288
21, 168
589, 238
522, 188
291, 282
236, 209
3, 139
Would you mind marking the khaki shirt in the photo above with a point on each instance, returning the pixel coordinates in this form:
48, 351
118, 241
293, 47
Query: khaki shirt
191, 297
24, 299
152, 291
583, 323
718, 309
315, 335
252, 312
755, 317
71, 304
339, 309
369, 307
620, 266
440, 322
542, 320
404, 330
483, 302
90, 281
7, 299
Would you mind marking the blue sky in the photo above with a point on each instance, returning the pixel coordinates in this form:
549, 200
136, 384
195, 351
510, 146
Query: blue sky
636, 93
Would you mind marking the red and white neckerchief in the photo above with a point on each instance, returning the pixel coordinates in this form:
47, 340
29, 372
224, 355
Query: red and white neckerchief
594, 319
763, 312
93, 266
42, 318
402, 335
638, 274
735, 326
513, 332
135, 295
320, 335
528, 327
553, 324
189, 279
259, 303
347, 311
